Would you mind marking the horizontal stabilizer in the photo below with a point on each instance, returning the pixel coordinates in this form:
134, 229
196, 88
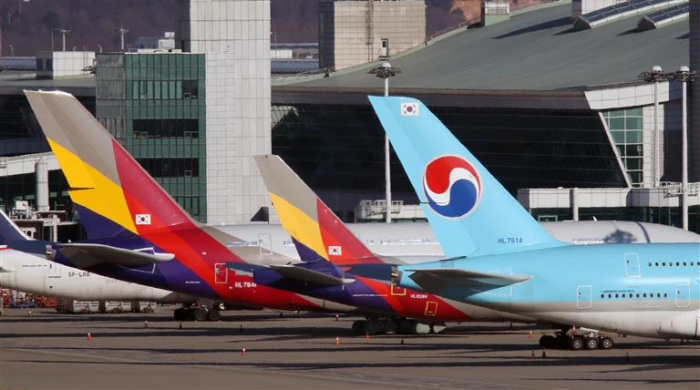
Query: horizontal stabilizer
311, 276
440, 279
87, 255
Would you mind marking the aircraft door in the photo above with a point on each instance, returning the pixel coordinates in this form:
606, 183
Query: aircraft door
683, 295
220, 273
397, 290
584, 297
632, 265
54, 270
431, 308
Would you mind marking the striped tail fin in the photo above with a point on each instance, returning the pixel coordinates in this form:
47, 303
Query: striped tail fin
316, 230
469, 210
112, 193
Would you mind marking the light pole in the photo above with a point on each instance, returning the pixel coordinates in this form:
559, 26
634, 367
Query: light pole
122, 33
385, 71
655, 75
684, 75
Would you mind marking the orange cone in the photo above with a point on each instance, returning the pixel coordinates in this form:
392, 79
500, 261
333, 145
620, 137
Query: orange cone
243, 352
366, 335
532, 355
529, 335
89, 336
337, 341
337, 318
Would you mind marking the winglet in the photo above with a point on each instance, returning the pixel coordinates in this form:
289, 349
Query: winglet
469, 210
10, 232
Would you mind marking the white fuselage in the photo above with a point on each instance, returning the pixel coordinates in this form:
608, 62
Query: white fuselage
26, 272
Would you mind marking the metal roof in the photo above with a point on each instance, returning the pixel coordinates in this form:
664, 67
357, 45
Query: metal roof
533, 51
18, 63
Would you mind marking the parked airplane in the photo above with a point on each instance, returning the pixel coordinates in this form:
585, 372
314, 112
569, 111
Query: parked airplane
339, 267
124, 209
30, 272
136, 231
502, 259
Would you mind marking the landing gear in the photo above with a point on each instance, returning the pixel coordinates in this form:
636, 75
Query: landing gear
195, 313
374, 326
567, 339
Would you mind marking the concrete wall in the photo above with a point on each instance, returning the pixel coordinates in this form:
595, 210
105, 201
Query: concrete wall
235, 35
59, 64
351, 32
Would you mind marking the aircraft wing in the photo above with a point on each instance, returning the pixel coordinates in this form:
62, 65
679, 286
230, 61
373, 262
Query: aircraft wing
86, 255
439, 279
311, 276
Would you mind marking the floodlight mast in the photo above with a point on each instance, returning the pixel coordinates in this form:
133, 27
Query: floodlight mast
684, 75
386, 71
655, 75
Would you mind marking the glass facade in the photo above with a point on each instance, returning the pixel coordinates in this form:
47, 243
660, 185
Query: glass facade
23, 187
154, 105
339, 149
626, 127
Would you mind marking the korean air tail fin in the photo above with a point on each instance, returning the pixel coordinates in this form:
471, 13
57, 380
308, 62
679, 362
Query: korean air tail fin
316, 230
469, 210
112, 193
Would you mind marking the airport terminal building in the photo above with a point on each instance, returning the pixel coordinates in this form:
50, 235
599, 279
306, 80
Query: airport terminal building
560, 116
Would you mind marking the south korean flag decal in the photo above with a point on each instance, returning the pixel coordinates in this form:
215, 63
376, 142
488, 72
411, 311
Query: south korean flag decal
410, 109
143, 219
335, 250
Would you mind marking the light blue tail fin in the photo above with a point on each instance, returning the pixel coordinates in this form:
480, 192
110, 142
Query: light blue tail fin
469, 210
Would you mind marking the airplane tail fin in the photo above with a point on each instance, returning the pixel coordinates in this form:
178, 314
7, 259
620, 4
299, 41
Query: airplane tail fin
9, 232
99, 171
469, 210
316, 230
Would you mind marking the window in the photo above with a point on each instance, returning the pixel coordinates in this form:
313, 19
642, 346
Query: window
626, 127
157, 128
170, 167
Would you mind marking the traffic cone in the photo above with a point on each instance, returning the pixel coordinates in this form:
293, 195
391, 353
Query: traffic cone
366, 335
243, 352
529, 335
402, 343
337, 341
145, 324
89, 336
532, 355
29, 314
544, 354
337, 318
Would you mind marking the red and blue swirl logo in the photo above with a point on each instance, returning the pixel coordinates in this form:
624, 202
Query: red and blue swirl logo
452, 186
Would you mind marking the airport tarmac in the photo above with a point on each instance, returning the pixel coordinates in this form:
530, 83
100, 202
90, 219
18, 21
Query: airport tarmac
51, 351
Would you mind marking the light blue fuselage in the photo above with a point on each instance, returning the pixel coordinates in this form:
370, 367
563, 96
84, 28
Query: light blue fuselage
648, 290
